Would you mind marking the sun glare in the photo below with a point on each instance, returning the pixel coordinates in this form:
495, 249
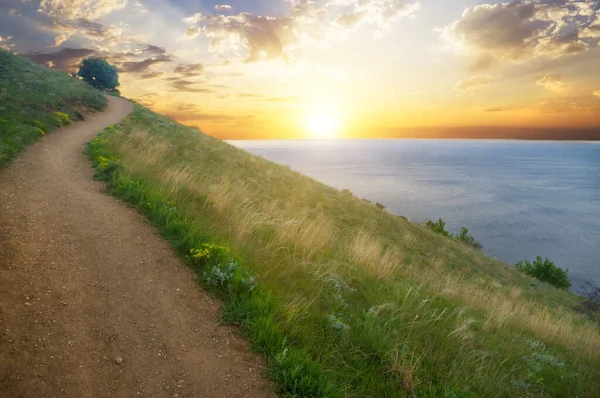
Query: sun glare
323, 124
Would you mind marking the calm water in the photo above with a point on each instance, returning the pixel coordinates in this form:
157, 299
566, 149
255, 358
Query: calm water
520, 199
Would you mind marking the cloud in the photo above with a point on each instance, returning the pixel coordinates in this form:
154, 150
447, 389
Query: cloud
223, 7
188, 86
584, 104
157, 55
141, 66
195, 18
351, 20
192, 32
382, 13
494, 110
65, 59
186, 107
5, 43
552, 82
192, 114
596, 93
524, 29
473, 82
68, 59
261, 97
189, 70
156, 50
262, 37
254, 37
151, 75
74, 9
99, 35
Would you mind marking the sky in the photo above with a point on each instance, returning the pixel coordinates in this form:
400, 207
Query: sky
256, 69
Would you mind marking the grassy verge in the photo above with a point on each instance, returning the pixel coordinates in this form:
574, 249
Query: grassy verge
35, 100
345, 299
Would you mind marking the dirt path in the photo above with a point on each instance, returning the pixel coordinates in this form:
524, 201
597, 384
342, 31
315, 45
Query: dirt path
93, 302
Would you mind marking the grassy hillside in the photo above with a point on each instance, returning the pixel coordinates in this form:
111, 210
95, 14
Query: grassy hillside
35, 100
343, 298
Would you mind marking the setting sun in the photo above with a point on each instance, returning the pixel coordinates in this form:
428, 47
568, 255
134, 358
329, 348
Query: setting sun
322, 124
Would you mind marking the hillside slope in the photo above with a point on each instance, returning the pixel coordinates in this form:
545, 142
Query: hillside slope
30, 97
346, 299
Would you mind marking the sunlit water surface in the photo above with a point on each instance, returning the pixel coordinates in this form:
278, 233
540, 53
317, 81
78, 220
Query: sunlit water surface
520, 199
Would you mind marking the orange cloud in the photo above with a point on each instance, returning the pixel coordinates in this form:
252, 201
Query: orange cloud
552, 82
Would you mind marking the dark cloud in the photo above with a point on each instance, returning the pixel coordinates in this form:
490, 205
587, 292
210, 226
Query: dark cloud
19, 19
152, 49
188, 86
494, 110
137, 67
189, 70
66, 59
188, 116
151, 75
186, 107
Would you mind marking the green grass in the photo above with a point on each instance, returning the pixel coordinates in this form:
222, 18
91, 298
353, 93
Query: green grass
342, 298
35, 100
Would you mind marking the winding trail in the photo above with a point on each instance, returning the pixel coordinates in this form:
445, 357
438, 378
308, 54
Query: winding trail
93, 303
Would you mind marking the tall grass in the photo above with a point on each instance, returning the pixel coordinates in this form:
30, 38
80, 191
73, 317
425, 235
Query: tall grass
35, 100
346, 299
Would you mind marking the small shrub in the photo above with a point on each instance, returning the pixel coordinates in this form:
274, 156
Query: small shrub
40, 125
591, 303
439, 227
230, 275
79, 115
379, 206
467, 239
62, 119
546, 271
106, 167
209, 253
463, 237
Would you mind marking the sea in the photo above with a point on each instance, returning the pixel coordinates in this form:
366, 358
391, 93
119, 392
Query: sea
519, 199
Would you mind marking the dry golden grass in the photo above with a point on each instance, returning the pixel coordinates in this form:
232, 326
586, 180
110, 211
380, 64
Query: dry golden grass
302, 235
311, 231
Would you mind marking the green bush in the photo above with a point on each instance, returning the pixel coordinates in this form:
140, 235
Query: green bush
545, 271
463, 237
591, 302
438, 227
467, 239
99, 74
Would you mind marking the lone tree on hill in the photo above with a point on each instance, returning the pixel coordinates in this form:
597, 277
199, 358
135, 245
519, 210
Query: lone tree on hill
99, 74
